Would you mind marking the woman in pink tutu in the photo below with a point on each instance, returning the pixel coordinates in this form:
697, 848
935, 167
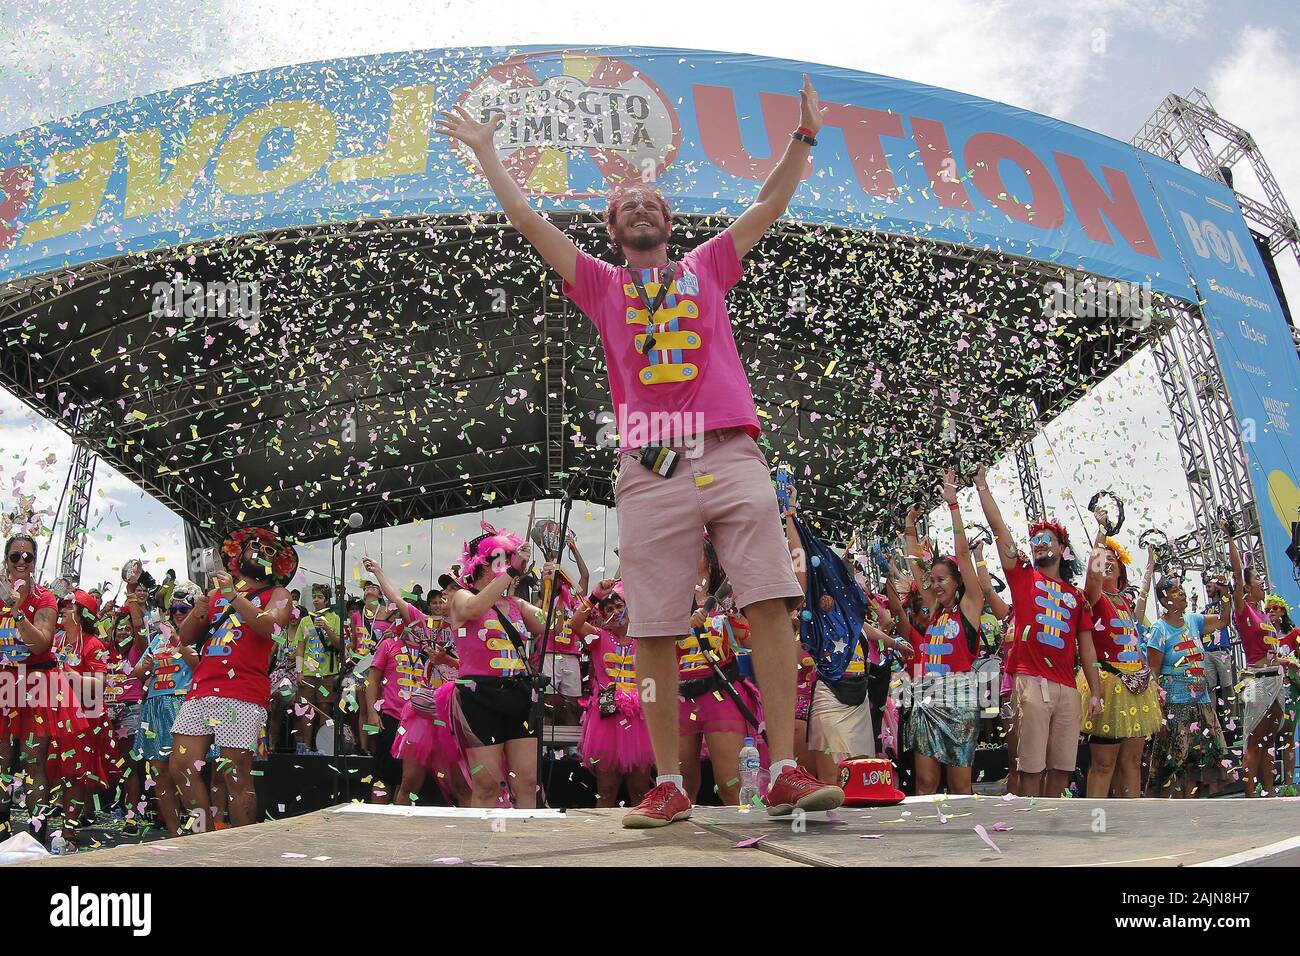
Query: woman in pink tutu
490, 708
615, 743
408, 668
707, 713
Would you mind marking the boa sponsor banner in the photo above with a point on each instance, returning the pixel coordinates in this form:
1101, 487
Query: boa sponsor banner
354, 139
1253, 343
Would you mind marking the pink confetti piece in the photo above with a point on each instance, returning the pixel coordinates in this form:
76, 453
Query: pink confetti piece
1003, 827
870, 836
984, 835
750, 842
834, 817
939, 813
293, 856
449, 860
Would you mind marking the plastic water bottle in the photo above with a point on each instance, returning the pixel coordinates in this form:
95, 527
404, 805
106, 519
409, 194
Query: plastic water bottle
749, 767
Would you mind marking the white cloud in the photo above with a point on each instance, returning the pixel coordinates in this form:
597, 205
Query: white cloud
1257, 87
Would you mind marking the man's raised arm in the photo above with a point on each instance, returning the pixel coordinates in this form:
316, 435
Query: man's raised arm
782, 181
553, 246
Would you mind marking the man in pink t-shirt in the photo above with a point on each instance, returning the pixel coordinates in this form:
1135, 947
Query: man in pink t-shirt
678, 386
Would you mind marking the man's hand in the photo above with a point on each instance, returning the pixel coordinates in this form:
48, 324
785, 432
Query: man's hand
224, 582
459, 125
603, 589
810, 108
981, 479
699, 620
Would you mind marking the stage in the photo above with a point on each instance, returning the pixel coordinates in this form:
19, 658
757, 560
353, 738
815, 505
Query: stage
920, 832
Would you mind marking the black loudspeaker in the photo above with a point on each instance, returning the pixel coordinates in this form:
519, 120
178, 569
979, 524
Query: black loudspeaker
289, 785
1293, 550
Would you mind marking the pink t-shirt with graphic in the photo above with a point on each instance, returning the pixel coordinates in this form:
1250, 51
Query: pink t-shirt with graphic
485, 649
692, 381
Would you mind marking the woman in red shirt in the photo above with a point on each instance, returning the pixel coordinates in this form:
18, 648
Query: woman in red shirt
1130, 710
36, 702
84, 761
943, 725
1262, 683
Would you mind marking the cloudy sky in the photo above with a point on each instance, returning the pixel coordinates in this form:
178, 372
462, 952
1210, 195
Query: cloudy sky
1103, 64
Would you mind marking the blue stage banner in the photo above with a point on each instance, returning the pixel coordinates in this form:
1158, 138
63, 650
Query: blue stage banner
354, 139
1254, 346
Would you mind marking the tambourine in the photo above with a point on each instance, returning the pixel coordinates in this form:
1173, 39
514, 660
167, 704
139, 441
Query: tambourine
1118, 521
1226, 517
133, 568
8, 596
546, 535
1158, 541
982, 535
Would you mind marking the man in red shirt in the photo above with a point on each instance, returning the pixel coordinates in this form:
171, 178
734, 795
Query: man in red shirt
238, 623
1052, 635
678, 388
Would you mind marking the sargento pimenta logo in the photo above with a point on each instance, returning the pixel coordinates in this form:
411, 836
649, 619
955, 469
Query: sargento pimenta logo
575, 122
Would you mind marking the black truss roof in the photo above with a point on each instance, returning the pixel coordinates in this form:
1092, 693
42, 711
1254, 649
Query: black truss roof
875, 360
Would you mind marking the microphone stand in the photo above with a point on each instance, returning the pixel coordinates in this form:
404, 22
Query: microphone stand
538, 716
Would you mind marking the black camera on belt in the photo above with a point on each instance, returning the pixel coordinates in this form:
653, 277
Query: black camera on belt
658, 459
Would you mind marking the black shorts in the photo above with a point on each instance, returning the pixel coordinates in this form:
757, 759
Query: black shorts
388, 769
497, 710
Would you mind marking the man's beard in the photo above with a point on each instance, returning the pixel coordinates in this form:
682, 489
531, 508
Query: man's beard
1045, 562
254, 569
642, 242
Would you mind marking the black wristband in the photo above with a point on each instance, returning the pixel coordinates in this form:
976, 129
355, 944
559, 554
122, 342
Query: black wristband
804, 138
513, 571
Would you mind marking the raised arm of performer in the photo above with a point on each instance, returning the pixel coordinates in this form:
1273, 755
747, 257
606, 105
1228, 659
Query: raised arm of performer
389, 590
993, 515
584, 576
1000, 608
972, 602
1144, 592
560, 252
1096, 575
915, 556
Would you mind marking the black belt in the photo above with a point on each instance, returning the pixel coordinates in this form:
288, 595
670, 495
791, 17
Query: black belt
501, 682
691, 689
38, 666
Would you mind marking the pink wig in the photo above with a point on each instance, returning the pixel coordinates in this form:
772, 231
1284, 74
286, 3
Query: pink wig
486, 548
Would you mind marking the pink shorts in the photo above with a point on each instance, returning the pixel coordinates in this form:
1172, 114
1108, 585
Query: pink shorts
726, 488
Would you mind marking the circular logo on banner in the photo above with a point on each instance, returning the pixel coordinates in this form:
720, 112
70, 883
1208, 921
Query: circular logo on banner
562, 109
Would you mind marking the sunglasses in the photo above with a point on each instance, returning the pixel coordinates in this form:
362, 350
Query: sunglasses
21, 557
268, 551
1042, 538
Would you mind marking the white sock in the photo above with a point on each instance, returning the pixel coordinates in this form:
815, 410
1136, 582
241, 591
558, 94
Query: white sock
778, 766
673, 778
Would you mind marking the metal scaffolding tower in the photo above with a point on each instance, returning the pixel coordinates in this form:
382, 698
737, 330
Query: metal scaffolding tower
1187, 130
555, 314
1031, 487
78, 513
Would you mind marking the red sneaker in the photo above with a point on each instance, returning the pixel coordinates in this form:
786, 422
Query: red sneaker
798, 788
663, 805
